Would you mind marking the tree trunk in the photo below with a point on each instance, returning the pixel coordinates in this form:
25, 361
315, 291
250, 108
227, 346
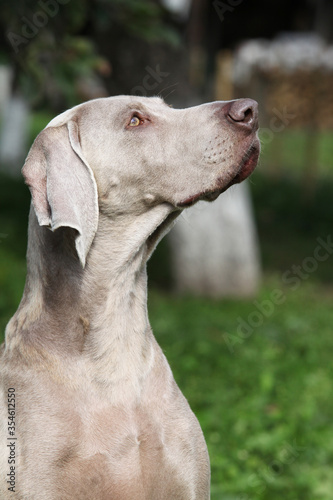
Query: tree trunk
215, 249
13, 135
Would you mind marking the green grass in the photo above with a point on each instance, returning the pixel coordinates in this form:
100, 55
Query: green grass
264, 401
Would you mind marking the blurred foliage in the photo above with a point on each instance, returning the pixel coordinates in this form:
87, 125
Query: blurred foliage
54, 48
140, 18
286, 153
14, 208
292, 203
56, 70
289, 223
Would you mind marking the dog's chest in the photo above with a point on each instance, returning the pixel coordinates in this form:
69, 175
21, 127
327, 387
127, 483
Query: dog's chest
145, 448
122, 453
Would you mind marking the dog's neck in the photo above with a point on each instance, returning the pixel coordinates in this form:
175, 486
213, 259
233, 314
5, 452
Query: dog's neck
99, 312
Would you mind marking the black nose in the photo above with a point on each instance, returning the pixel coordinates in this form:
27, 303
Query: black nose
244, 113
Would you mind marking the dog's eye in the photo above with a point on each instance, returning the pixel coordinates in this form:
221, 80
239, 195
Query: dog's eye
135, 121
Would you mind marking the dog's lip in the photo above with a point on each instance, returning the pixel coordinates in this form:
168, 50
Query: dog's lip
246, 167
248, 164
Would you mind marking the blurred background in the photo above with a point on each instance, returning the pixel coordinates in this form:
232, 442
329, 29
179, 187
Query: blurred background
241, 291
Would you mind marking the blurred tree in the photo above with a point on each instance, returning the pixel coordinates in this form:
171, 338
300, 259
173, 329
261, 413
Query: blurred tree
55, 46
215, 250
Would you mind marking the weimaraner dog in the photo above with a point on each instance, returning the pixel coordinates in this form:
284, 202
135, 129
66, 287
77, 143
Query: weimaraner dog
89, 407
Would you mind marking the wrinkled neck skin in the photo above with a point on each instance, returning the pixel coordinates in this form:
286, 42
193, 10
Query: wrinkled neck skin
99, 313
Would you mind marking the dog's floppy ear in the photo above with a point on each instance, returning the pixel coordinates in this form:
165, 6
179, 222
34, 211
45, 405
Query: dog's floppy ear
62, 184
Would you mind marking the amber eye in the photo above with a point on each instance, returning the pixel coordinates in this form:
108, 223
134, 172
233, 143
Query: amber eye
135, 121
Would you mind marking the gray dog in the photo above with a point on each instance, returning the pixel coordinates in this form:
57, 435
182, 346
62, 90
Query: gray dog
89, 407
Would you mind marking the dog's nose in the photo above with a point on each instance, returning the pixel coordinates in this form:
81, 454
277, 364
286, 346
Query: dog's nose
244, 113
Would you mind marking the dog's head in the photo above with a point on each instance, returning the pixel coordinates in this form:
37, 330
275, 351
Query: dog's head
126, 155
